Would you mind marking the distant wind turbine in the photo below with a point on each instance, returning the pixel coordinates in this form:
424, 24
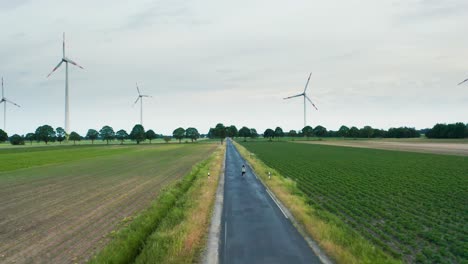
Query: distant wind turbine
66, 60
463, 82
305, 97
140, 97
5, 101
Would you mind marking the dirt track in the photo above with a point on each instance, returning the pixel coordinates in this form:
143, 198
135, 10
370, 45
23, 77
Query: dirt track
63, 213
459, 149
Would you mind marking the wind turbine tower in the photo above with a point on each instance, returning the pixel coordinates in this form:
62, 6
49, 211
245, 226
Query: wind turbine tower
305, 98
140, 97
5, 101
66, 60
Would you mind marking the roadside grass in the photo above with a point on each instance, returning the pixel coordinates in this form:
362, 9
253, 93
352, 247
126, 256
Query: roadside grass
339, 241
173, 228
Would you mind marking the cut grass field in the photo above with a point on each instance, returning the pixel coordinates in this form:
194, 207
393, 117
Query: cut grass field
57, 204
410, 205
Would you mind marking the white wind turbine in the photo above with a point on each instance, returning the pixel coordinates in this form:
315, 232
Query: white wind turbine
5, 101
466, 80
305, 97
140, 97
66, 60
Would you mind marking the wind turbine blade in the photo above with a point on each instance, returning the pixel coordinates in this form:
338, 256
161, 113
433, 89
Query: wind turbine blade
72, 62
308, 99
138, 89
293, 96
144, 95
463, 82
307, 83
56, 67
138, 98
12, 102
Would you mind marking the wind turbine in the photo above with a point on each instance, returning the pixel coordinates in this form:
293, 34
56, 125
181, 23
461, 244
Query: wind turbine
5, 101
305, 97
140, 97
66, 60
463, 82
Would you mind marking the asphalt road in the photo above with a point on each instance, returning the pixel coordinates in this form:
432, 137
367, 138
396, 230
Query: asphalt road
254, 229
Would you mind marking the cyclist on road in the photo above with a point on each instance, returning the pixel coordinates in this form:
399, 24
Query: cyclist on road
243, 170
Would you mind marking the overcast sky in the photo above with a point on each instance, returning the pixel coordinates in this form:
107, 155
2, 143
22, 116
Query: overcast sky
380, 63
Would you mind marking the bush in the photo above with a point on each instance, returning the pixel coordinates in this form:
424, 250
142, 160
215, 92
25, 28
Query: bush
16, 140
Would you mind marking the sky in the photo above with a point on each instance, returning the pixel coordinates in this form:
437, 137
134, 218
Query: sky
385, 63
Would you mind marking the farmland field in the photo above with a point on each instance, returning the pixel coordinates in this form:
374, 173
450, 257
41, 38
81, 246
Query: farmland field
57, 204
412, 205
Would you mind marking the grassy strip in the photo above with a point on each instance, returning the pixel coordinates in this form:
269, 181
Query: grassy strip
181, 236
339, 241
127, 244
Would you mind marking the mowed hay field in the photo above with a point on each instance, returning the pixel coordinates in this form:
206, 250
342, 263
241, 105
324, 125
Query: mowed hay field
414, 206
58, 204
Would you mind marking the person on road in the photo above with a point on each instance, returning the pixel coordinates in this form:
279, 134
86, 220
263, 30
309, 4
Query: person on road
243, 170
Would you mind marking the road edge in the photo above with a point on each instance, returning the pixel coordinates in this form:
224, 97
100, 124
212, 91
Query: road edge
310, 241
211, 252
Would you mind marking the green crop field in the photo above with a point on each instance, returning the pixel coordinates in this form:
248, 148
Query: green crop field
59, 204
414, 206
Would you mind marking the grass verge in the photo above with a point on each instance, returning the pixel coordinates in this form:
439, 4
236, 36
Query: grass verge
340, 242
173, 229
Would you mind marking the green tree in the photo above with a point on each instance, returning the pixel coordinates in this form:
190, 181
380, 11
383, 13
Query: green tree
75, 137
179, 134
92, 135
343, 131
138, 133
353, 132
231, 131
244, 132
121, 135
253, 133
292, 133
192, 133
211, 133
3, 136
269, 133
220, 132
16, 140
150, 135
167, 139
367, 132
107, 133
320, 131
279, 132
308, 131
30, 137
45, 133
61, 134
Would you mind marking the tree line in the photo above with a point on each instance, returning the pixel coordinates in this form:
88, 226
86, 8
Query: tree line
47, 133
457, 130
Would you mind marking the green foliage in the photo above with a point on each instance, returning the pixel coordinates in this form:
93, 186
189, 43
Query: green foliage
320, 131
231, 131
30, 137
292, 133
353, 132
45, 133
402, 202
138, 133
92, 135
269, 133
167, 139
121, 135
16, 140
179, 134
279, 132
308, 131
150, 135
253, 133
107, 133
192, 133
75, 137
457, 130
3, 136
244, 132
61, 134
343, 131
220, 132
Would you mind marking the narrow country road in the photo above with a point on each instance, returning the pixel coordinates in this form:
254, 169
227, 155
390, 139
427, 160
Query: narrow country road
254, 229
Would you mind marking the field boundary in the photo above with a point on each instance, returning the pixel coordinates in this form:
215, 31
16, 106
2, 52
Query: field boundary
211, 254
310, 241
